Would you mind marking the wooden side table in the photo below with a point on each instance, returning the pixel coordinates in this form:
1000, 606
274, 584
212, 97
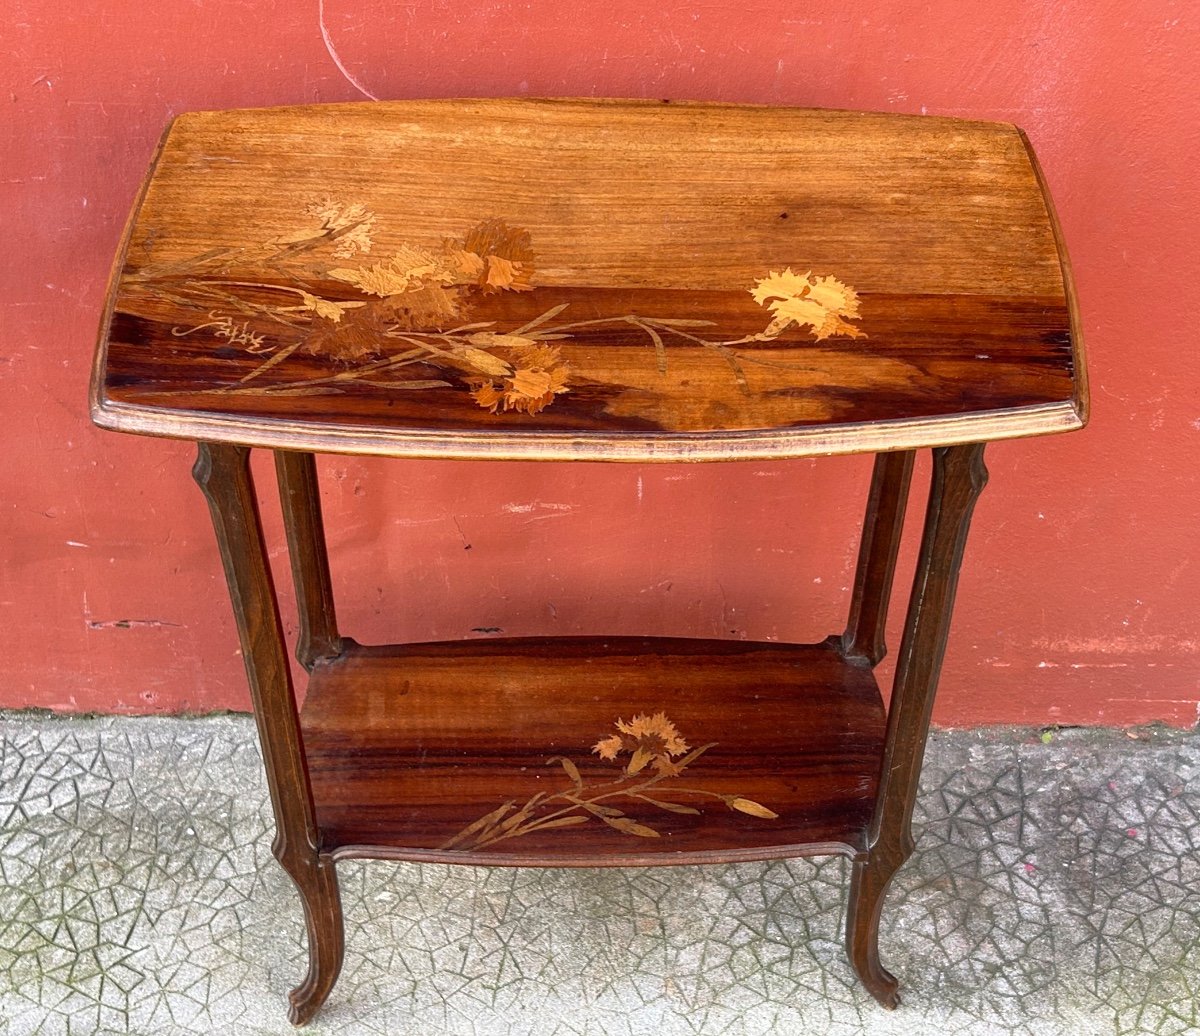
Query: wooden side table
570, 280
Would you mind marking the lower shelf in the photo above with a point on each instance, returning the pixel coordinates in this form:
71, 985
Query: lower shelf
486, 751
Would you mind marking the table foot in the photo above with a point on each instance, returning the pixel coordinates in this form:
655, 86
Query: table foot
318, 888
868, 884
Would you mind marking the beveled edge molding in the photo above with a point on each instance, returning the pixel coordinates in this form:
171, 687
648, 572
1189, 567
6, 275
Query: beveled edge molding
116, 272
1079, 371
815, 441
631, 859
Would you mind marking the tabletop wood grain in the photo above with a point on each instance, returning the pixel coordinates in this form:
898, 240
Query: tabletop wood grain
579, 279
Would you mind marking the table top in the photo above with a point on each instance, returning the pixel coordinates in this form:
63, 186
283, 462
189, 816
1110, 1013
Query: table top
589, 280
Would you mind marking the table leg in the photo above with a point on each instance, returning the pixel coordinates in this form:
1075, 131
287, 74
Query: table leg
223, 474
300, 498
958, 478
882, 528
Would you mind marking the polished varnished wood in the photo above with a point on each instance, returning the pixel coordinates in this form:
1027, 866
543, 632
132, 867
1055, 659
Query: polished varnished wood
580, 279
305, 527
590, 280
959, 476
878, 549
223, 474
408, 746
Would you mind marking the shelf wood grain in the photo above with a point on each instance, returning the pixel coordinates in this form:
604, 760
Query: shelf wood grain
409, 746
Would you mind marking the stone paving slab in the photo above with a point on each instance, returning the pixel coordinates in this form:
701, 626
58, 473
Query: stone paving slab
1055, 890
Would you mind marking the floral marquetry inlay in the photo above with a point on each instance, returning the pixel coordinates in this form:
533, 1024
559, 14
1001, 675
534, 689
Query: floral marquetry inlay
403, 321
644, 783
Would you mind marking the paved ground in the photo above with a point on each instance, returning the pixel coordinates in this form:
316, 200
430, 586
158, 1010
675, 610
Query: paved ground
1055, 889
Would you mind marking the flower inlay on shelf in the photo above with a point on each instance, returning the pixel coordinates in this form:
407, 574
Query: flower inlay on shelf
657, 754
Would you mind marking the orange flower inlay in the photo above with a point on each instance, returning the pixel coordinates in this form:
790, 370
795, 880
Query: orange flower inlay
650, 741
401, 321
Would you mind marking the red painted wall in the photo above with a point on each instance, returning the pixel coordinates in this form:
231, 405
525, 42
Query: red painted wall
1079, 602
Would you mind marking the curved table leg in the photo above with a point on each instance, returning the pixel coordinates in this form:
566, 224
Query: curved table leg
958, 478
223, 474
318, 888
868, 884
